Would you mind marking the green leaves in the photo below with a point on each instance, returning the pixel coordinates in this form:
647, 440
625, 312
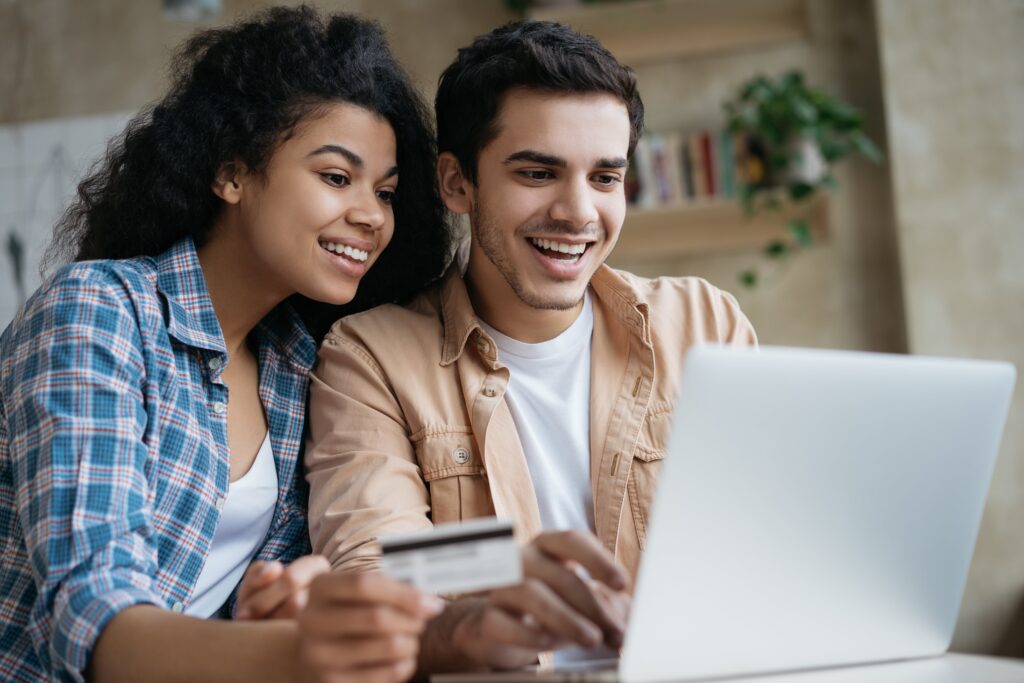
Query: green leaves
798, 229
866, 147
780, 115
778, 112
748, 278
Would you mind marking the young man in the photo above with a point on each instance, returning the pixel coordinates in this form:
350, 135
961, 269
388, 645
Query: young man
538, 384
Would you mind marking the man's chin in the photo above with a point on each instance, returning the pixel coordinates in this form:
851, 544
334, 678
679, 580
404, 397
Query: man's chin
551, 301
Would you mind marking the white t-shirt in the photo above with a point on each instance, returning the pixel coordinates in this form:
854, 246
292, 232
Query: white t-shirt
243, 526
549, 397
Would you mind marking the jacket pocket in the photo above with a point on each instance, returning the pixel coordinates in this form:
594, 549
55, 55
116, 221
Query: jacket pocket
646, 467
454, 471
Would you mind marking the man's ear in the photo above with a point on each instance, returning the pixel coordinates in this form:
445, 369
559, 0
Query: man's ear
227, 184
456, 189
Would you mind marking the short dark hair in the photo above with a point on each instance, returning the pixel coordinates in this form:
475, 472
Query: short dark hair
541, 55
236, 93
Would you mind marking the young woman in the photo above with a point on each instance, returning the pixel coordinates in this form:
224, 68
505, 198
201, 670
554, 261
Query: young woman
152, 393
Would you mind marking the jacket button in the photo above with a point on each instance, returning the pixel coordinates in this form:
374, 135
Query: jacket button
490, 392
460, 455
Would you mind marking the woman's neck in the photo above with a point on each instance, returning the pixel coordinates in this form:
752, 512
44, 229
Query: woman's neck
242, 294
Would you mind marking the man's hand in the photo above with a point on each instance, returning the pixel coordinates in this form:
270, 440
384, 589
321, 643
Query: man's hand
362, 627
555, 606
271, 590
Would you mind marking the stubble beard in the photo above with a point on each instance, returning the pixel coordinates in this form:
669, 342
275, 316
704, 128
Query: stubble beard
488, 237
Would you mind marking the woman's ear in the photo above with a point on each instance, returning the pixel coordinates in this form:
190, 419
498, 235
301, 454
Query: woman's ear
456, 189
227, 184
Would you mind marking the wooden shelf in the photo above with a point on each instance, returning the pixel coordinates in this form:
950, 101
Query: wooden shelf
647, 30
720, 225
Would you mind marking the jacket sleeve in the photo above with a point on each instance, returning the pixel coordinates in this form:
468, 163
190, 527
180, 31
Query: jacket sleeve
75, 419
733, 326
364, 480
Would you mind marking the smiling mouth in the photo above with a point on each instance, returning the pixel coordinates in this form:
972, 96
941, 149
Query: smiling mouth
355, 255
562, 251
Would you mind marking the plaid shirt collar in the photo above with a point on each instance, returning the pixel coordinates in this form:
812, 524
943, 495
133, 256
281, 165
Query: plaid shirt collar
192, 320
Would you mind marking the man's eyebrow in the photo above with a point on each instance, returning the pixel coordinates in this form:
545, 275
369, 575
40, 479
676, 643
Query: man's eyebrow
551, 160
613, 162
353, 158
537, 158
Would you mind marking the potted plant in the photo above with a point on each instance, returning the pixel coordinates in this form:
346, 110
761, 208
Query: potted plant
795, 133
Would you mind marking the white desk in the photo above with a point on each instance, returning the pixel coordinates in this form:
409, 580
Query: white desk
951, 668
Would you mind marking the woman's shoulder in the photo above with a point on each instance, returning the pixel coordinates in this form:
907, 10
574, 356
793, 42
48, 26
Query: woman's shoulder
89, 293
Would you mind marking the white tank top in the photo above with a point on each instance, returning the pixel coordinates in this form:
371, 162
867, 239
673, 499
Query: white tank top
243, 526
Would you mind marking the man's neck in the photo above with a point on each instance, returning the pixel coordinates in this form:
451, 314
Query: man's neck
499, 307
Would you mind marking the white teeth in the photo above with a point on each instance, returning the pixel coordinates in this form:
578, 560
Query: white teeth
354, 254
561, 247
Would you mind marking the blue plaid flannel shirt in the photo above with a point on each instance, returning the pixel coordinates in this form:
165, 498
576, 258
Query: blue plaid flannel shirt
114, 451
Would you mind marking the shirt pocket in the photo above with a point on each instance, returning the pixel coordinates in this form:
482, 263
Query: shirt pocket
454, 471
646, 467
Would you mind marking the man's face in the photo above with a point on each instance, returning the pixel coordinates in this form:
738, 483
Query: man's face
549, 201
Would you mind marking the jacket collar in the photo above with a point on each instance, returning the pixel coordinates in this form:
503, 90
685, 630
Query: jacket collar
614, 292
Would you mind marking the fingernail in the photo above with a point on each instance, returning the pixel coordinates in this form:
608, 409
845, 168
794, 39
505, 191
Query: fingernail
431, 604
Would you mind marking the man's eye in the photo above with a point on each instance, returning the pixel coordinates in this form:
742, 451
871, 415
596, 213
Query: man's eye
607, 179
335, 179
386, 196
537, 175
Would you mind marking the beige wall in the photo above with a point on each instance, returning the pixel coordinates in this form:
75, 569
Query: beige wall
79, 57
954, 99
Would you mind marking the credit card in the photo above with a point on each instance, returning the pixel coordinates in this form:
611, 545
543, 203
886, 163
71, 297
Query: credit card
464, 557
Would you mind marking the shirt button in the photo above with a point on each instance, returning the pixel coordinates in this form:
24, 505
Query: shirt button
177, 607
215, 363
490, 392
220, 408
484, 346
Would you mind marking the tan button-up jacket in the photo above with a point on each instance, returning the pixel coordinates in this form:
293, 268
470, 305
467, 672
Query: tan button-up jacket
409, 424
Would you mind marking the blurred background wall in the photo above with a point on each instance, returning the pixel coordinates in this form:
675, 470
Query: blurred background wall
924, 253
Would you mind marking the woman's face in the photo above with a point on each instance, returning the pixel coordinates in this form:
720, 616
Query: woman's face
321, 213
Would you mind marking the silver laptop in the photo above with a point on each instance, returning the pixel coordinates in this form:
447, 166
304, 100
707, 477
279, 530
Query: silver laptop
815, 509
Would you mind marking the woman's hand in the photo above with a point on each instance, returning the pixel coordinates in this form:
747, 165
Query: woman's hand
363, 627
271, 590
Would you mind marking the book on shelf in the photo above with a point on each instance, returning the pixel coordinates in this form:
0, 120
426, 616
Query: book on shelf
678, 168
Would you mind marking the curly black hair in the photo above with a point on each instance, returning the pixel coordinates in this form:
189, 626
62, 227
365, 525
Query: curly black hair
541, 55
236, 93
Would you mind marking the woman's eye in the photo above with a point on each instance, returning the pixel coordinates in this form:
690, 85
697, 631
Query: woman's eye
335, 179
386, 196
